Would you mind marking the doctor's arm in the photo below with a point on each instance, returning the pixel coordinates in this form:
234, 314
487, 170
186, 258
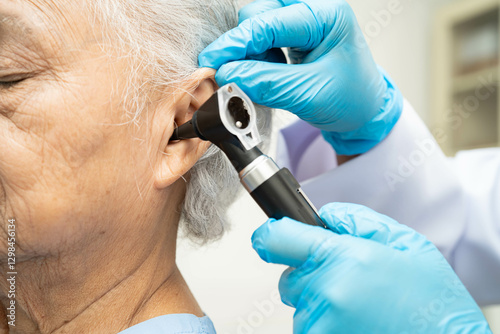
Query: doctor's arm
452, 201
335, 85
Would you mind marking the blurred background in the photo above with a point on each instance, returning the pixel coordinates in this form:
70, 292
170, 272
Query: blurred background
444, 55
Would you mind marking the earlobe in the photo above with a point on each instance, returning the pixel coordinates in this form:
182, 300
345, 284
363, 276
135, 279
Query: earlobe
175, 159
178, 159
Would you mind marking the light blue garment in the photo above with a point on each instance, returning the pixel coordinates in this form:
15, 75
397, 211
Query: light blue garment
173, 324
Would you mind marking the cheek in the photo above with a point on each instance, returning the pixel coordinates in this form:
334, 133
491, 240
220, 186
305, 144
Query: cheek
50, 132
57, 205
69, 171
46, 141
65, 169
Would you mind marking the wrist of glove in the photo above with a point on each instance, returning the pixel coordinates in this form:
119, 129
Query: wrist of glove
374, 131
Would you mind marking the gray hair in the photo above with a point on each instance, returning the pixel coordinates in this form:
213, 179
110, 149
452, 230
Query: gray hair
166, 37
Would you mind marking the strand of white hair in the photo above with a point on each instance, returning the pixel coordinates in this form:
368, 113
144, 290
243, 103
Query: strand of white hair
165, 37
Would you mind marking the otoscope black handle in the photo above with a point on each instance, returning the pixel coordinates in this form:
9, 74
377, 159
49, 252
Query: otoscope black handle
281, 196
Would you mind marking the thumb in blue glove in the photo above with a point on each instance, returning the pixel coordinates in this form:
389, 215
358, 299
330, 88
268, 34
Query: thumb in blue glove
368, 274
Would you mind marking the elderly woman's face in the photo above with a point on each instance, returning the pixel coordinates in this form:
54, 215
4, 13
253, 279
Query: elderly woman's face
68, 173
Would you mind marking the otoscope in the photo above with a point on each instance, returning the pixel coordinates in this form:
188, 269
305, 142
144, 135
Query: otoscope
229, 120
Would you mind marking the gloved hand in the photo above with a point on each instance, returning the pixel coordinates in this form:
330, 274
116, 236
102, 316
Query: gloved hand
368, 274
334, 83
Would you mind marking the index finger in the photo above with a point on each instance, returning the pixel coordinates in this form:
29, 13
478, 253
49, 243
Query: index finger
362, 222
292, 26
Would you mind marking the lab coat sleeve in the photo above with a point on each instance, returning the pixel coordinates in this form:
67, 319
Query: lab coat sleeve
477, 254
454, 202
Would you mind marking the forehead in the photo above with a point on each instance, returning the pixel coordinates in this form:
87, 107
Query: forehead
13, 24
31, 20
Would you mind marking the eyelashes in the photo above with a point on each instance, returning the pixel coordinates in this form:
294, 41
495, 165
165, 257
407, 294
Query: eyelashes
12, 80
10, 84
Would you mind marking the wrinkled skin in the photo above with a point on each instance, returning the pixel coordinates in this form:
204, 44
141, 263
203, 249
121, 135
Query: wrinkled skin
96, 199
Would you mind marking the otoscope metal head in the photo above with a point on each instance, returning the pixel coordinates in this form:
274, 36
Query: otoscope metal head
228, 115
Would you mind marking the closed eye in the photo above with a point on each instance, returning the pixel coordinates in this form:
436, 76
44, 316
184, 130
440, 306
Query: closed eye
12, 80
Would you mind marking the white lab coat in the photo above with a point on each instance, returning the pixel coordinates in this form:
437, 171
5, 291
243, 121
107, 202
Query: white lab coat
455, 202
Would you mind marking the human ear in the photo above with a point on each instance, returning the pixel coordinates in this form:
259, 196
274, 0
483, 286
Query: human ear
176, 158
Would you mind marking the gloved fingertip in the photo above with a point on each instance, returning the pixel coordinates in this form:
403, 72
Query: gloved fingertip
231, 67
331, 207
260, 240
220, 79
259, 230
204, 60
285, 241
262, 253
333, 215
224, 74
285, 301
240, 73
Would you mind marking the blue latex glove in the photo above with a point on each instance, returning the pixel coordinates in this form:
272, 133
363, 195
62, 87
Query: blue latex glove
334, 83
374, 276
